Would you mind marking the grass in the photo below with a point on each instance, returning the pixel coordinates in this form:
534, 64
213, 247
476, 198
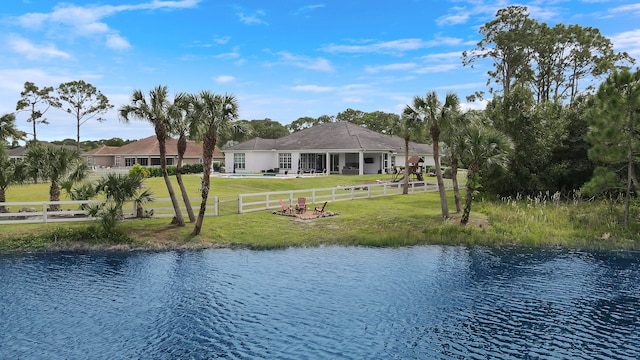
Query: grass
387, 221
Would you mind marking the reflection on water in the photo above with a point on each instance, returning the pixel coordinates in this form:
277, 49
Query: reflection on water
327, 302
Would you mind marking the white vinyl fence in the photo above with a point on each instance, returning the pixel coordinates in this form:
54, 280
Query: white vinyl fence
41, 212
271, 200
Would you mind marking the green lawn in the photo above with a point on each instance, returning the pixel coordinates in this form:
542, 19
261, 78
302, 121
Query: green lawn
388, 221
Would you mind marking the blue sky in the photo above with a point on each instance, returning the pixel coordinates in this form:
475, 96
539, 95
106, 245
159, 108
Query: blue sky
283, 59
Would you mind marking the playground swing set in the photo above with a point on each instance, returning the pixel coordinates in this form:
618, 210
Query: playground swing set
416, 168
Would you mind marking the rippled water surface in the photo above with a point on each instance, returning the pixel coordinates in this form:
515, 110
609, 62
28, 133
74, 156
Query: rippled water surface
327, 303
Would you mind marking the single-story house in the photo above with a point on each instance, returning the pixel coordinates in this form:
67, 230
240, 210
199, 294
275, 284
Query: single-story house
20, 152
146, 152
336, 148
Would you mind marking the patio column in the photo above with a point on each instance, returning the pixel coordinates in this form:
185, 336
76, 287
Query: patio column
361, 163
327, 164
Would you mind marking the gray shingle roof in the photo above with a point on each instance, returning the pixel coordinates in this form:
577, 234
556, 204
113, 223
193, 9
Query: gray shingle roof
333, 136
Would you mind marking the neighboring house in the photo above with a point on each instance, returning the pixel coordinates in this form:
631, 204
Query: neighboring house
336, 148
20, 152
145, 152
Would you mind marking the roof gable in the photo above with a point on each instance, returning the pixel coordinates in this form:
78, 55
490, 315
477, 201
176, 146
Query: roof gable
150, 146
333, 136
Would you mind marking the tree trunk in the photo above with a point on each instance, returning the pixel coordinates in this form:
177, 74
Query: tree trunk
54, 195
630, 174
3, 199
471, 185
405, 180
78, 130
208, 144
182, 147
162, 136
435, 136
454, 179
139, 210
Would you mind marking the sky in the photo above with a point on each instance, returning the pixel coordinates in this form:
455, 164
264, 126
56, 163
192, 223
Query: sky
282, 59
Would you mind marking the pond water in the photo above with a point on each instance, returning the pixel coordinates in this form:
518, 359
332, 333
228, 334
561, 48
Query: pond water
428, 302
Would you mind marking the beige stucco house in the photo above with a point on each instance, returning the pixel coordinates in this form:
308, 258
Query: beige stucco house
145, 152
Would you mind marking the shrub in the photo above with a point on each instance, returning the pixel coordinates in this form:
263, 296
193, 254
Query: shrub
140, 171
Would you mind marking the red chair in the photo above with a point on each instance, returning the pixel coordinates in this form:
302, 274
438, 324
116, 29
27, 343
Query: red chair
320, 209
301, 206
286, 209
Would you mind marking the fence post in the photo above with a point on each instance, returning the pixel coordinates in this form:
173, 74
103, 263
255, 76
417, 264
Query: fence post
216, 206
266, 199
240, 204
44, 212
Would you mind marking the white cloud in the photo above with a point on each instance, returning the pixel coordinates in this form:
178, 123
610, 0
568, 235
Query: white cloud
253, 19
436, 68
31, 51
305, 62
117, 42
476, 105
307, 9
628, 41
223, 79
390, 67
222, 40
460, 16
631, 8
313, 88
396, 47
69, 21
229, 55
450, 56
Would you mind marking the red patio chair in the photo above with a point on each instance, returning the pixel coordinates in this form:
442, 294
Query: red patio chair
320, 209
301, 206
286, 209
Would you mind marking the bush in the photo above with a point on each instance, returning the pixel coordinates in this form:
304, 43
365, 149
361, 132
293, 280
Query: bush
140, 171
192, 169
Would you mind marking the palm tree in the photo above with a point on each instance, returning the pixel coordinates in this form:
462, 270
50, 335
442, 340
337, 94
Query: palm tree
484, 148
56, 165
157, 110
453, 123
12, 172
8, 129
121, 188
410, 123
430, 109
179, 125
215, 116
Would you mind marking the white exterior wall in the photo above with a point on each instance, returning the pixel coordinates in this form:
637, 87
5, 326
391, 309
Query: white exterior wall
372, 168
254, 161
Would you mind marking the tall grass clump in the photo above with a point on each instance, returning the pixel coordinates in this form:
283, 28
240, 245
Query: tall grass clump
554, 219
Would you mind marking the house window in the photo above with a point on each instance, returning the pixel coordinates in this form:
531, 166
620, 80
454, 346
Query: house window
335, 162
238, 161
284, 161
169, 161
143, 161
155, 161
129, 161
117, 161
